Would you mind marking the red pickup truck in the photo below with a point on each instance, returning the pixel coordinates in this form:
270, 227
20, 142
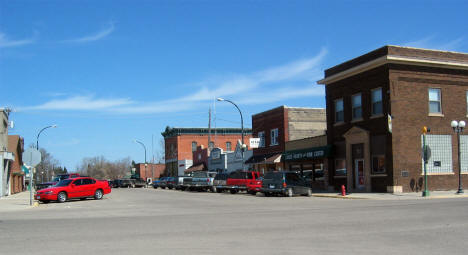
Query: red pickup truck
240, 180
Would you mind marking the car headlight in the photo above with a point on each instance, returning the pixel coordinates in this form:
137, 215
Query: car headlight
49, 192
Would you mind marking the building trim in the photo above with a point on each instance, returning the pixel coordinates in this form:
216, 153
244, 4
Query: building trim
392, 59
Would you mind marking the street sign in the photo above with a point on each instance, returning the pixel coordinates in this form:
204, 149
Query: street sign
254, 142
32, 157
25, 169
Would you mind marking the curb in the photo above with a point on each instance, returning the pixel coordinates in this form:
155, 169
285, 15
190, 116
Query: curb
338, 196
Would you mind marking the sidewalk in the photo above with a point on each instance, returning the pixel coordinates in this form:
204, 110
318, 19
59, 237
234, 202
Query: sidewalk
390, 196
18, 201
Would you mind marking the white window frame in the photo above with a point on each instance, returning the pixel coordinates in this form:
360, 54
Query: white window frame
433, 101
355, 107
261, 135
194, 146
274, 137
342, 110
373, 102
211, 146
228, 148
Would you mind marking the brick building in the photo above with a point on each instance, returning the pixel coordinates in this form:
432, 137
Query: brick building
180, 143
16, 146
277, 126
377, 105
149, 171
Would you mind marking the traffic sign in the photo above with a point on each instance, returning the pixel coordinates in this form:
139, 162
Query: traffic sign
32, 157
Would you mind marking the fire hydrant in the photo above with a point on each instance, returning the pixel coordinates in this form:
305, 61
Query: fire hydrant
343, 190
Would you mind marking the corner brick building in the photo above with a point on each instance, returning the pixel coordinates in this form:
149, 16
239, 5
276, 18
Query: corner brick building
180, 143
279, 125
377, 105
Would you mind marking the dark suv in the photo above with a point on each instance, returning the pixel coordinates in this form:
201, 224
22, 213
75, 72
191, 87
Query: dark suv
285, 183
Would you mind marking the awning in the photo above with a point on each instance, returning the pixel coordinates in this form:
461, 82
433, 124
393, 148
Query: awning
197, 167
265, 159
307, 154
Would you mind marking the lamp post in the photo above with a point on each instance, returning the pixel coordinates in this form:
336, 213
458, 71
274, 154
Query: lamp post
37, 139
458, 127
144, 147
242, 127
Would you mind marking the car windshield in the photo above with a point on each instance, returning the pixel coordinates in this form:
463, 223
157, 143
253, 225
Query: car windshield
63, 183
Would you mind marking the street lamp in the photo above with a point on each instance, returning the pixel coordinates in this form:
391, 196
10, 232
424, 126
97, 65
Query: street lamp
37, 139
458, 127
144, 147
242, 127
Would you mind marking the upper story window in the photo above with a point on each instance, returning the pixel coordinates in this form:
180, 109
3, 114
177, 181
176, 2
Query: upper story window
274, 137
376, 95
339, 111
210, 146
194, 146
228, 146
435, 105
261, 135
357, 106
467, 103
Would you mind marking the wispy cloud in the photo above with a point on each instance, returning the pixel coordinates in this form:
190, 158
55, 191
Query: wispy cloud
292, 80
94, 37
431, 42
7, 42
80, 103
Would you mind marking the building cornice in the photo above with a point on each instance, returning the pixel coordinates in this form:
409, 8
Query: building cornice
394, 59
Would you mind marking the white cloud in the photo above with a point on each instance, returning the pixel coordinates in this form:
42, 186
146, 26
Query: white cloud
95, 37
431, 43
6, 42
80, 103
270, 85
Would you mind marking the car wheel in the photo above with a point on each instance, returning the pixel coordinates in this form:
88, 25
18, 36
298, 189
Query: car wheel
98, 194
62, 197
219, 190
155, 187
289, 192
266, 194
233, 191
309, 192
163, 187
170, 187
253, 193
82, 198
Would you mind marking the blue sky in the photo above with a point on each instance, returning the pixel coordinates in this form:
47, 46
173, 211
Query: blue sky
108, 72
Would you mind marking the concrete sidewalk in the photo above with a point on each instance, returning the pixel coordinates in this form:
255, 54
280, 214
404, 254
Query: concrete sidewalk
390, 196
18, 201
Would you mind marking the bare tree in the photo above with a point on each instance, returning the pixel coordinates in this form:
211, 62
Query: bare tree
100, 168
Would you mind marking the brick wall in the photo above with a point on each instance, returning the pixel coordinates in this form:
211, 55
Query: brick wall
266, 121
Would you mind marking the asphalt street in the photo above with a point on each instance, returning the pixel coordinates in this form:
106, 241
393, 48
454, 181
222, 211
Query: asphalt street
135, 221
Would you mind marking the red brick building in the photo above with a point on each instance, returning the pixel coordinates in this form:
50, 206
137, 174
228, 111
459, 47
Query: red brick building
180, 143
16, 146
277, 126
149, 172
408, 88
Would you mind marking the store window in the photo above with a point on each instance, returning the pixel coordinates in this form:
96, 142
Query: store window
340, 167
194, 146
339, 111
440, 161
357, 106
378, 164
376, 95
435, 105
274, 137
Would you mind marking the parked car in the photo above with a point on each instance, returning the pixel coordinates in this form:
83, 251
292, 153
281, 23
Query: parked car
56, 180
202, 180
116, 183
155, 183
81, 187
186, 183
179, 182
127, 183
237, 180
285, 183
167, 182
219, 182
139, 183
254, 186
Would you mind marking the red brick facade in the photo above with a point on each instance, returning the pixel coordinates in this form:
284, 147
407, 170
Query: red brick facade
404, 76
16, 145
153, 171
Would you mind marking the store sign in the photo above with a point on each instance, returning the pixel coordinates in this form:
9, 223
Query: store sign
317, 152
254, 142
